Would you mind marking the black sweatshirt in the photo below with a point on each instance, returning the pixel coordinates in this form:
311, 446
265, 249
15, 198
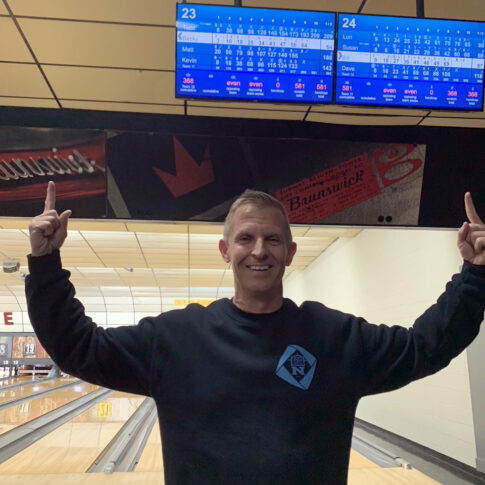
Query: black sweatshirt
252, 398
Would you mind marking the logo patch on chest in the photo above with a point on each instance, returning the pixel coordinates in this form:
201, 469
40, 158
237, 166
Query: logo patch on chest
296, 366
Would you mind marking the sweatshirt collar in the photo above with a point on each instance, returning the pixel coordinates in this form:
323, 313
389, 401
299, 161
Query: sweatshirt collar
257, 319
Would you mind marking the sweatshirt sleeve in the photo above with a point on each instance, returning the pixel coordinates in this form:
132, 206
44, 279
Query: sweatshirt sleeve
395, 356
119, 358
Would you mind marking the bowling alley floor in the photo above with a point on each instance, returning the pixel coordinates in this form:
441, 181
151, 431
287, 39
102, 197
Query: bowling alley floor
430, 464
361, 472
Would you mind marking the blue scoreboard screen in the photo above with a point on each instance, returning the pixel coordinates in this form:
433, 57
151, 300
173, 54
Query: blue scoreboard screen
254, 54
419, 63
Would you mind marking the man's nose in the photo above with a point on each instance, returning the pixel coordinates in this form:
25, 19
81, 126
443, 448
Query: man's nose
259, 248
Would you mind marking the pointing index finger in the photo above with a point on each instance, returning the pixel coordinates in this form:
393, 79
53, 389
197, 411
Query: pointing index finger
471, 212
50, 198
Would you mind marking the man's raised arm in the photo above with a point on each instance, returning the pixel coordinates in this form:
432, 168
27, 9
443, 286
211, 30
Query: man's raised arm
119, 358
396, 356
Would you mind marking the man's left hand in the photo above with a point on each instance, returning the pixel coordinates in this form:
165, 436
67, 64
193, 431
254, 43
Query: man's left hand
471, 236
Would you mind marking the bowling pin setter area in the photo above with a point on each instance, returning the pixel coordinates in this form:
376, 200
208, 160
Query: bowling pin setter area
63, 430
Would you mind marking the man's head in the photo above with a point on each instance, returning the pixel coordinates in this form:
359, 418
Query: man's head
258, 244
260, 200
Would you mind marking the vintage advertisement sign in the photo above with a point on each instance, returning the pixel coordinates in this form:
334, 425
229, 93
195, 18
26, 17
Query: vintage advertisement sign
318, 181
74, 159
190, 177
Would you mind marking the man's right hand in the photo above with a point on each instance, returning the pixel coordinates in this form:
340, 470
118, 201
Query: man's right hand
49, 229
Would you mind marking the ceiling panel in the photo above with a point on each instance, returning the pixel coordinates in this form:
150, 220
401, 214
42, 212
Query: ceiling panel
139, 277
21, 80
385, 7
153, 12
324, 232
102, 236
158, 227
28, 102
451, 9
96, 44
215, 2
201, 228
299, 230
12, 46
14, 222
320, 5
90, 225
175, 241
112, 84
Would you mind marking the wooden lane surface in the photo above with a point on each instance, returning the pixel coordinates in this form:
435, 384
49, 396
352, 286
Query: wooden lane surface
365, 476
74, 446
14, 416
360, 461
151, 459
31, 388
10, 381
388, 476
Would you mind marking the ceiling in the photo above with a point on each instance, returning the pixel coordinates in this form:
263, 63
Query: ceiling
118, 55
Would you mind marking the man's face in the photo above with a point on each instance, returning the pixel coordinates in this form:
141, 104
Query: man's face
257, 248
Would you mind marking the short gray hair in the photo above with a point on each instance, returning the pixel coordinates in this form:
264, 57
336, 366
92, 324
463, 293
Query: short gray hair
261, 200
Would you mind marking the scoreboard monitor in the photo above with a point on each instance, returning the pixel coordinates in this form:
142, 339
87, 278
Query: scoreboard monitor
254, 54
409, 62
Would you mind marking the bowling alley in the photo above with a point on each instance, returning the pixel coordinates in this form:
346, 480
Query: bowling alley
242, 242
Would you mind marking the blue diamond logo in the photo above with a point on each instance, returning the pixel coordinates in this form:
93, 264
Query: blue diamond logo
296, 366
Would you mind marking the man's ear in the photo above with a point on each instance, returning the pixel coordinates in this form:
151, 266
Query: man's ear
224, 251
291, 252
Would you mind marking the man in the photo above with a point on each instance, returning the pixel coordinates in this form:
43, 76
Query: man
255, 390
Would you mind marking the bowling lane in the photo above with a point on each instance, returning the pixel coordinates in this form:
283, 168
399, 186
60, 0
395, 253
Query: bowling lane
10, 381
151, 459
24, 412
360, 461
363, 471
74, 446
31, 388
388, 476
